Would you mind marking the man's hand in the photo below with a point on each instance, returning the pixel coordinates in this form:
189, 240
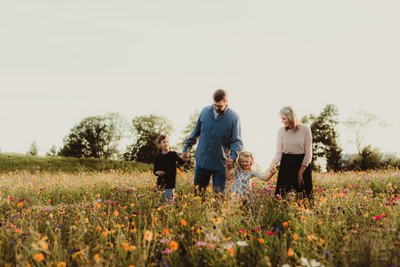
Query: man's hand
229, 163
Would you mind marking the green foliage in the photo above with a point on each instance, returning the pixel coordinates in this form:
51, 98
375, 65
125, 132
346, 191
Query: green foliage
325, 143
145, 130
94, 137
17, 162
368, 159
52, 152
33, 149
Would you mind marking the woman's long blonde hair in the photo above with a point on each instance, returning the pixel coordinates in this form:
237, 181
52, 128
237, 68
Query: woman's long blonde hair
290, 113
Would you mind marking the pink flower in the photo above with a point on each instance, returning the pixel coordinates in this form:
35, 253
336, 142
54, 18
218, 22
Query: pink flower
271, 233
377, 217
167, 251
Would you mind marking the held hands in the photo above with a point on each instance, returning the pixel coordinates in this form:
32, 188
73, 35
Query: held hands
185, 156
229, 163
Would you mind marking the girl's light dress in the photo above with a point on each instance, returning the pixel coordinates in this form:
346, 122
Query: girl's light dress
242, 182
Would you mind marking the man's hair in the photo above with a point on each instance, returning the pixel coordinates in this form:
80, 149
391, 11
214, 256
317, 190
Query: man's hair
160, 138
219, 95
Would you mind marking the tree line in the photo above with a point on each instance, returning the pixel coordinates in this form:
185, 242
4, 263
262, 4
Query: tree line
100, 137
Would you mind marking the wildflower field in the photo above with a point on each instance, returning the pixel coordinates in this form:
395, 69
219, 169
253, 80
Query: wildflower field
116, 219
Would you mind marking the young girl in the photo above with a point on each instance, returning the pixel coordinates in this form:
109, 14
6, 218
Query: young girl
243, 174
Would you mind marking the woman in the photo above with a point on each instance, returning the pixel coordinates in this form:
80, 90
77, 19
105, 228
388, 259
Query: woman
293, 153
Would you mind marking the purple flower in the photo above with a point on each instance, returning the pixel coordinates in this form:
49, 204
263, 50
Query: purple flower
201, 243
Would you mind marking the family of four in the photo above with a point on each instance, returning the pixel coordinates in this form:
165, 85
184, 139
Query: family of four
220, 148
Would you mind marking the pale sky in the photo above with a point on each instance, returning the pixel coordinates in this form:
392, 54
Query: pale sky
61, 61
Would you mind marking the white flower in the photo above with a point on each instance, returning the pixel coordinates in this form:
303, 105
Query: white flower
242, 243
311, 263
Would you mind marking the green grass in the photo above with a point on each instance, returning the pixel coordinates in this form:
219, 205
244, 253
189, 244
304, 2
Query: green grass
17, 162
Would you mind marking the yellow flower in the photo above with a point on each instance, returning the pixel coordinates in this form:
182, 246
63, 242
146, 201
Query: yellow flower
97, 258
39, 257
148, 235
217, 220
290, 252
127, 247
43, 244
61, 264
173, 245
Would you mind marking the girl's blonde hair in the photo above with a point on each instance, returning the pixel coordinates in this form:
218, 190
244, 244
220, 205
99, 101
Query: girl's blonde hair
288, 112
245, 154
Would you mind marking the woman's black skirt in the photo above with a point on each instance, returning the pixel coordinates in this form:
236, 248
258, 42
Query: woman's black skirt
287, 176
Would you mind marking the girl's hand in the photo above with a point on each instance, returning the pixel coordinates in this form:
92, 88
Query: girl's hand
160, 173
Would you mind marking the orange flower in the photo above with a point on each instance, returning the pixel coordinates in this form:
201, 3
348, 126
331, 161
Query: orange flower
38, 257
295, 236
148, 235
261, 240
311, 237
173, 245
231, 251
285, 224
116, 213
183, 222
165, 231
105, 233
290, 252
19, 231
20, 204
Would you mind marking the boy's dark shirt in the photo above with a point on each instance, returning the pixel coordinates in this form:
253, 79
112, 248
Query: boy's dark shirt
167, 163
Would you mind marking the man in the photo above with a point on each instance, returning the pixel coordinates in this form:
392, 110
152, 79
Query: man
219, 132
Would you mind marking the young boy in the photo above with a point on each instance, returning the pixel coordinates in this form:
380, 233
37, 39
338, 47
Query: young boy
165, 168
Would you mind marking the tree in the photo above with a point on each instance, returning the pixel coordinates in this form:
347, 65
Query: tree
145, 130
325, 143
52, 152
95, 137
186, 132
33, 149
357, 124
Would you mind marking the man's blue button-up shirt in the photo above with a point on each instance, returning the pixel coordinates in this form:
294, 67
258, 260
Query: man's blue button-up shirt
219, 138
